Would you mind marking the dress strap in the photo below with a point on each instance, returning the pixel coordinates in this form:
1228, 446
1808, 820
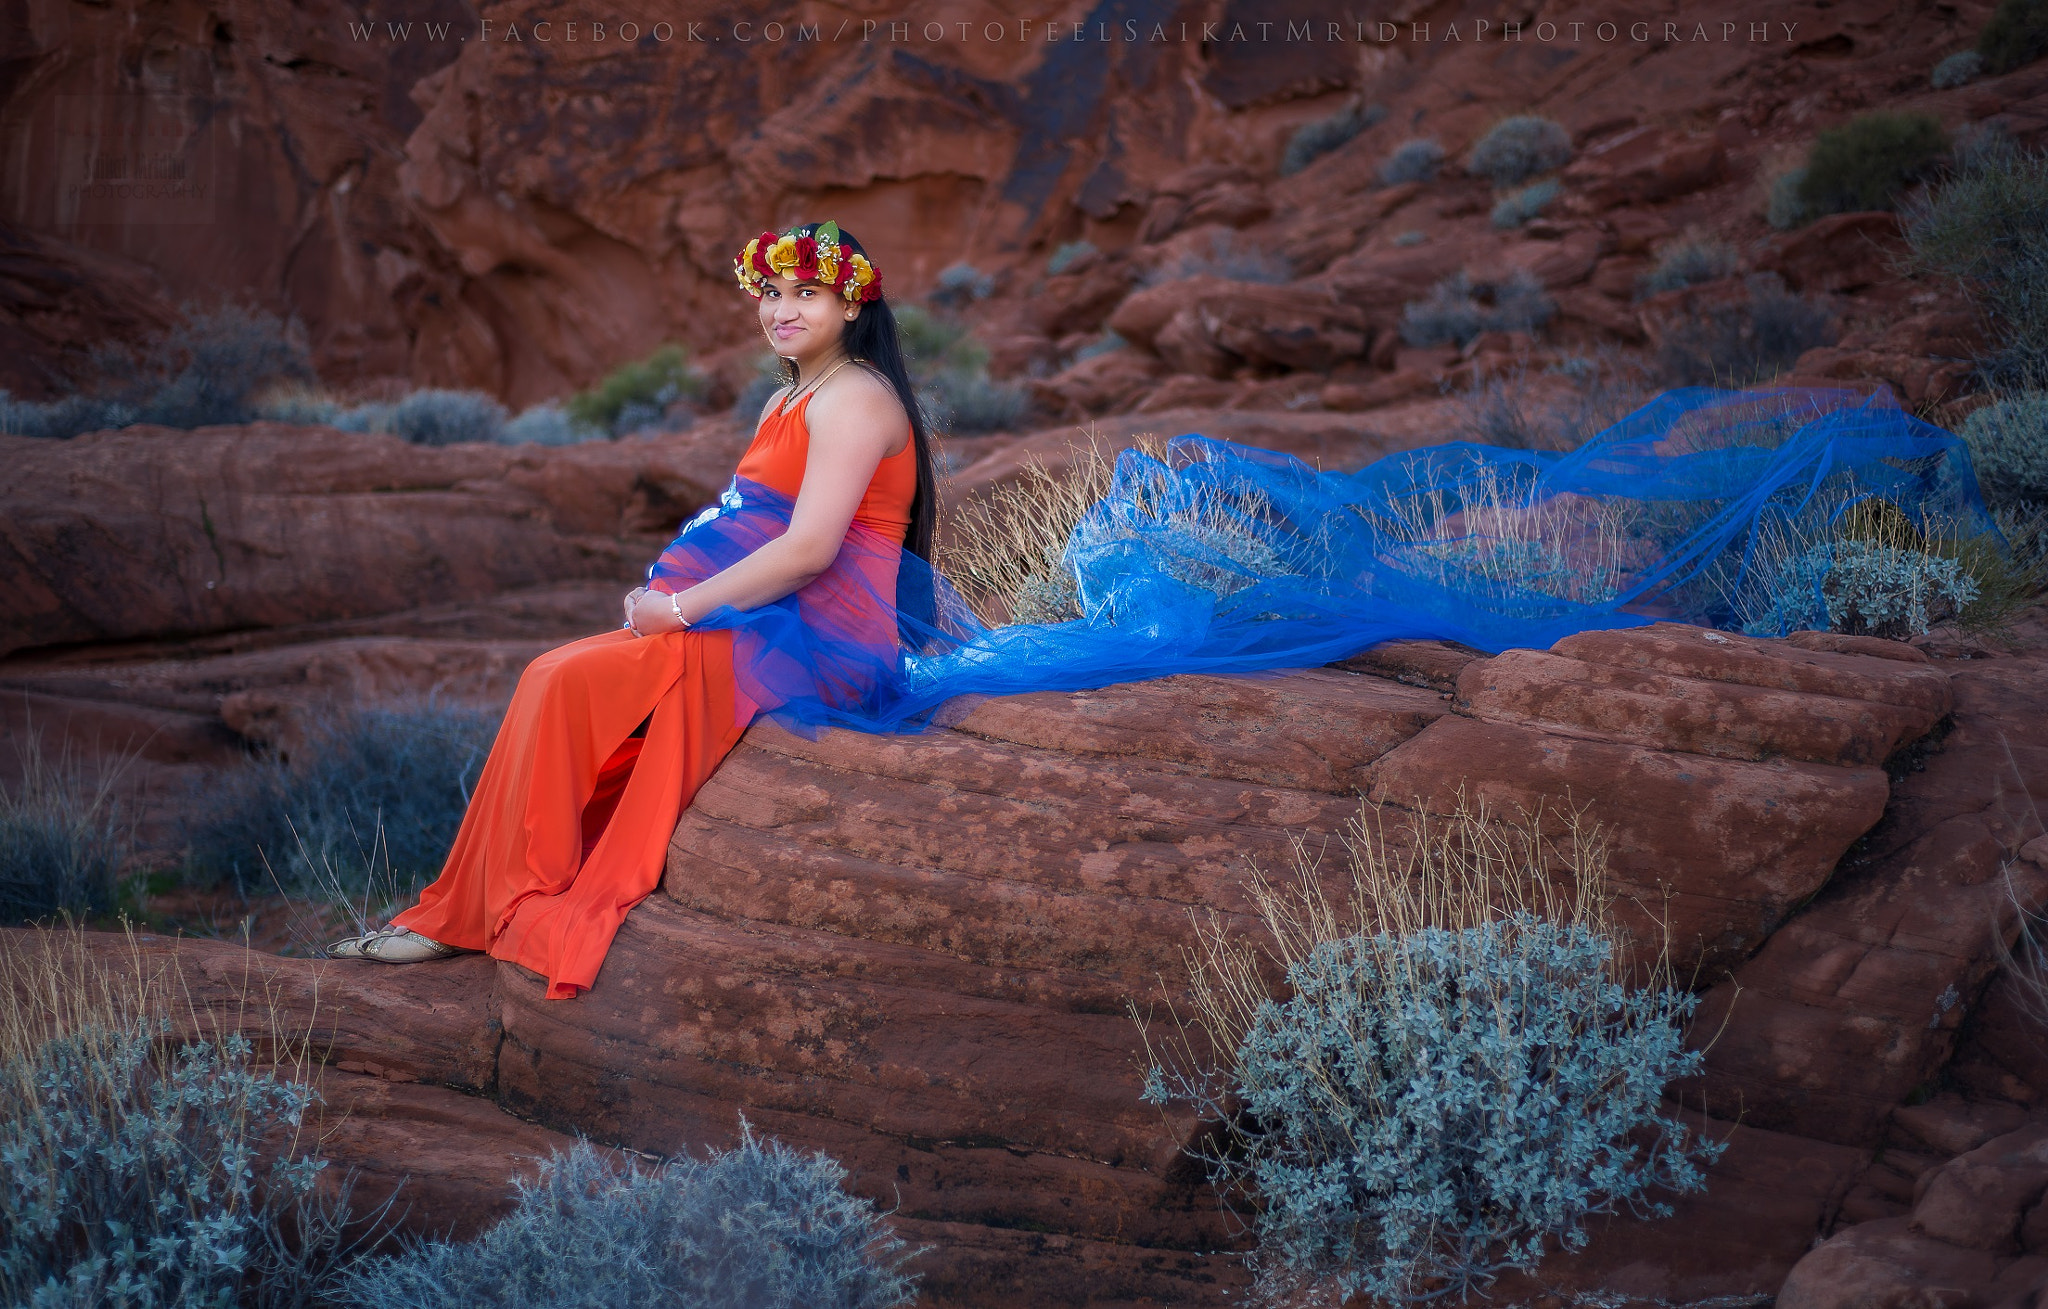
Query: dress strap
811, 387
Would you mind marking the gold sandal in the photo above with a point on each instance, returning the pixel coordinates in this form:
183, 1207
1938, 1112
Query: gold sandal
393, 945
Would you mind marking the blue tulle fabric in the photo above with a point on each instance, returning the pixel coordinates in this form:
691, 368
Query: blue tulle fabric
1223, 558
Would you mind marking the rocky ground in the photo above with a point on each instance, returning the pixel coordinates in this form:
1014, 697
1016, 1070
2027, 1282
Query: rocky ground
1840, 832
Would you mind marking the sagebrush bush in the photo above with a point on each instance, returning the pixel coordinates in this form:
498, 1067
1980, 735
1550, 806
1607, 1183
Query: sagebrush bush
300, 405
2015, 35
547, 424
1744, 342
966, 403
1069, 254
1687, 263
1518, 207
1460, 308
1866, 162
961, 283
1008, 551
1865, 589
1517, 149
141, 1179
2008, 441
2024, 525
767, 380
387, 784
1412, 161
949, 370
637, 394
63, 836
1101, 345
204, 369
1503, 409
442, 417
1986, 224
1412, 236
1454, 1073
1958, 69
1785, 209
1227, 256
757, 1227
1312, 140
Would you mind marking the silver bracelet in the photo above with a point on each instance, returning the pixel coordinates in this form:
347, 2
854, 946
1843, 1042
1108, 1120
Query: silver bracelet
682, 623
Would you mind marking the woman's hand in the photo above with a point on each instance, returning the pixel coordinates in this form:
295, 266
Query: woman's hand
651, 613
632, 598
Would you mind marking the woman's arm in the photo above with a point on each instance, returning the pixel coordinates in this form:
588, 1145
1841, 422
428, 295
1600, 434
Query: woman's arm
850, 435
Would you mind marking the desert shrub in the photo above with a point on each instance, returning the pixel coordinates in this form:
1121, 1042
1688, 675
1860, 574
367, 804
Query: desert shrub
1459, 308
1866, 162
637, 394
1986, 224
202, 370
1865, 589
1312, 140
387, 784
1746, 341
757, 1227
2016, 34
1453, 1074
1957, 70
1504, 409
1519, 206
1412, 161
1101, 345
63, 836
2008, 441
1067, 256
299, 405
961, 283
548, 424
1005, 549
767, 379
439, 417
1227, 256
1785, 209
1687, 263
964, 403
2024, 525
1517, 149
1412, 236
141, 1179
62, 418
375, 416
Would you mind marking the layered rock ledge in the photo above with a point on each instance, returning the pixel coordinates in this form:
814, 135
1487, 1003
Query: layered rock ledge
917, 952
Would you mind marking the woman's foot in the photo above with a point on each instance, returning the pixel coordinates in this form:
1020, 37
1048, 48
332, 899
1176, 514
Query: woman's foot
393, 945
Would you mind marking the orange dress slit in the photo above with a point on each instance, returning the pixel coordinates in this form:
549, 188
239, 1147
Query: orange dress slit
570, 822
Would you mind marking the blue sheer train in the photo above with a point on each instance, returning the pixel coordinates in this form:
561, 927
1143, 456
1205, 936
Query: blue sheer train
1704, 506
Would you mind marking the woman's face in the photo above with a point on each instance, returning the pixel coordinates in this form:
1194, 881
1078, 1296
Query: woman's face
803, 320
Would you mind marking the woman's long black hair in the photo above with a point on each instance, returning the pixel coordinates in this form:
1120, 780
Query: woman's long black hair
871, 339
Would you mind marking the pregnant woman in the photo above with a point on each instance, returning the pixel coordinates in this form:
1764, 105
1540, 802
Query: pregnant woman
785, 591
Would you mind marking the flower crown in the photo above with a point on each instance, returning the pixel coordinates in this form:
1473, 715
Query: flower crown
819, 256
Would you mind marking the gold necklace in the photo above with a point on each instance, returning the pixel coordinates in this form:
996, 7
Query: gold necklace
812, 386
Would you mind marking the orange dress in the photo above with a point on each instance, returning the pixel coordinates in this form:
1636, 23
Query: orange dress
570, 822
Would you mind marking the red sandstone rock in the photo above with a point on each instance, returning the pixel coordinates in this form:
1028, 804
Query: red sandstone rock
153, 532
1643, 166
1841, 252
1103, 383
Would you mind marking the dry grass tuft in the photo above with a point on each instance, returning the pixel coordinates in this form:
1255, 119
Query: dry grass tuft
1004, 550
1400, 874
